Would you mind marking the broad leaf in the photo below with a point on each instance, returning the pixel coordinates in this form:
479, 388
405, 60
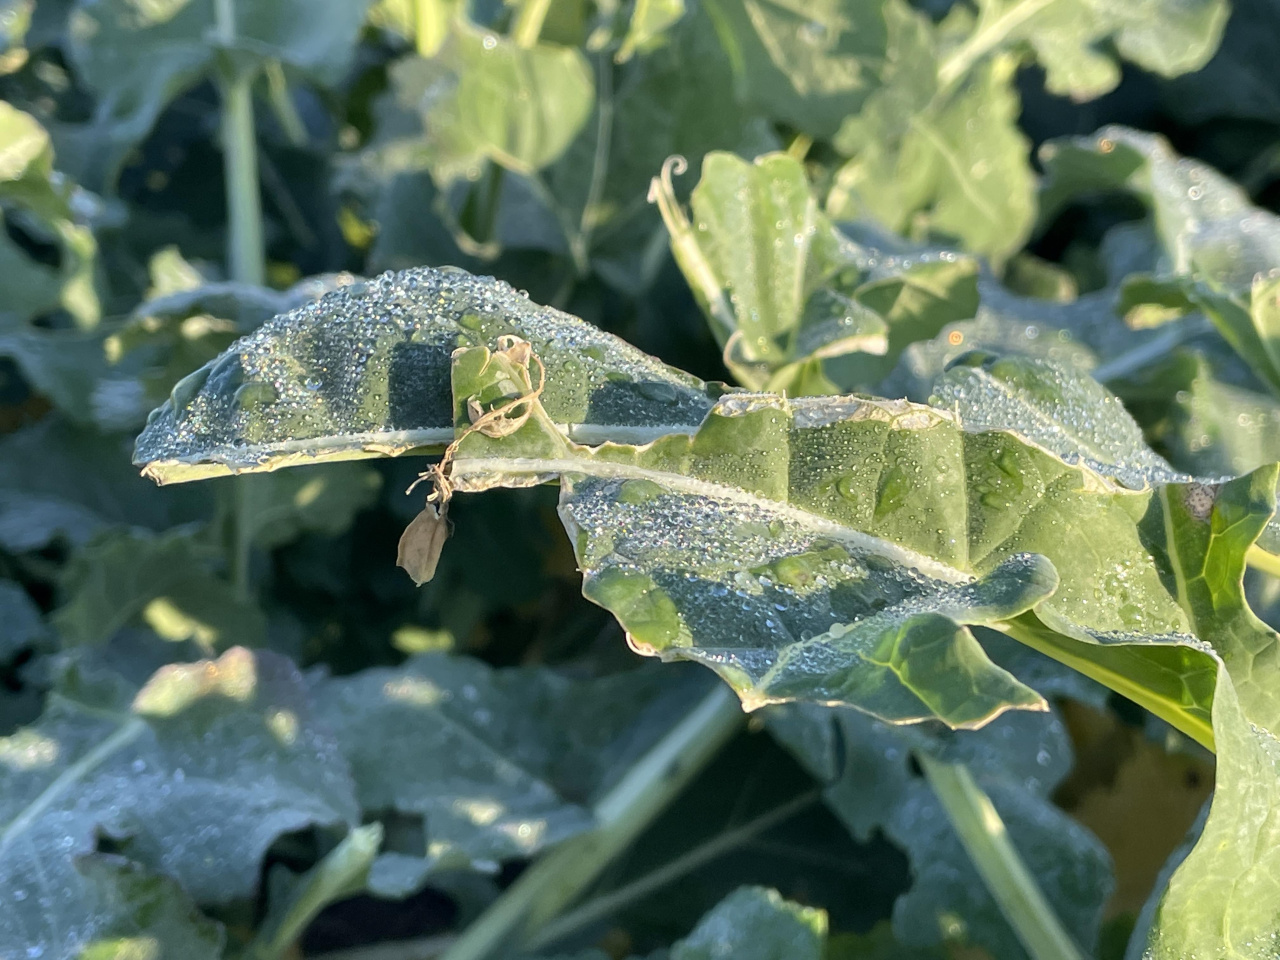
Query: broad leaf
46, 208
196, 777
1216, 248
1018, 760
165, 581
485, 97
754, 923
785, 291
482, 765
138, 913
295, 387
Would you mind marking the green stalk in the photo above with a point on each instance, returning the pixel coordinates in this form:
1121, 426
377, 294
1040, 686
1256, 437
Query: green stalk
245, 251
705, 852
1260, 559
621, 815
431, 26
983, 835
1065, 651
528, 23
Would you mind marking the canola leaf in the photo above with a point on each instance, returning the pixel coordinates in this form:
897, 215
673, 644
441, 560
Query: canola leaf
484, 97
943, 165
59, 481
487, 765
1239, 81
195, 776
163, 580
807, 64
20, 622
277, 508
1017, 760
364, 372
783, 287
1215, 247
756, 923
650, 20
135, 60
137, 913
47, 209
1221, 899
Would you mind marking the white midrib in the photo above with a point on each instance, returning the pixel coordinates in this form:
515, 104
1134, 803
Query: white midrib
482, 467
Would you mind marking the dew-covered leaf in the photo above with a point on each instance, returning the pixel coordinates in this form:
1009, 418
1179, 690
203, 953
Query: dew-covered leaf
1221, 900
364, 372
482, 765
1216, 249
164, 581
784, 289
483, 97
137, 913
195, 778
754, 923
1018, 759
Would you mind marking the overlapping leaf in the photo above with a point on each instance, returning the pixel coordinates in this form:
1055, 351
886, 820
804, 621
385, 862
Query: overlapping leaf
1216, 249
195, 778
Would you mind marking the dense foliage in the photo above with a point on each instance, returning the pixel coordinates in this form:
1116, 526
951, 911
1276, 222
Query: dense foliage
958, 467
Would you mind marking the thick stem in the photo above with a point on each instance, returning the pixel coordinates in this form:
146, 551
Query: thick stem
431, 26
983, 835
1198, 728
245, 251
1260, 559
528, 25
555, 880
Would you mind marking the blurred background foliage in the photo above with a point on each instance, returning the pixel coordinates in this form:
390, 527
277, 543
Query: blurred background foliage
520, 140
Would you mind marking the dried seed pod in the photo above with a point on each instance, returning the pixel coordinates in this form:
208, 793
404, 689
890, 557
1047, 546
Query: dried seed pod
422, 541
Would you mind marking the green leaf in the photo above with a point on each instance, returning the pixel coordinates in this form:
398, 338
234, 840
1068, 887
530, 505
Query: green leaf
165, 581
783, 288
650, 19
138, 913
1215, 246
295, 391
1221, 900
755, 923
943, 165
482, 765
197, 776
48, 209
59, 481
485, 97
1018, 760
808, 64
137, 59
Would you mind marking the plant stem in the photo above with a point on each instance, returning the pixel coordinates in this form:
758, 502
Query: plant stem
621, 814
983, 835
1131, 361
1198, 728
282, 104
341, 873
705, 852
245, 251
1260, 559
528, 25
431, 26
